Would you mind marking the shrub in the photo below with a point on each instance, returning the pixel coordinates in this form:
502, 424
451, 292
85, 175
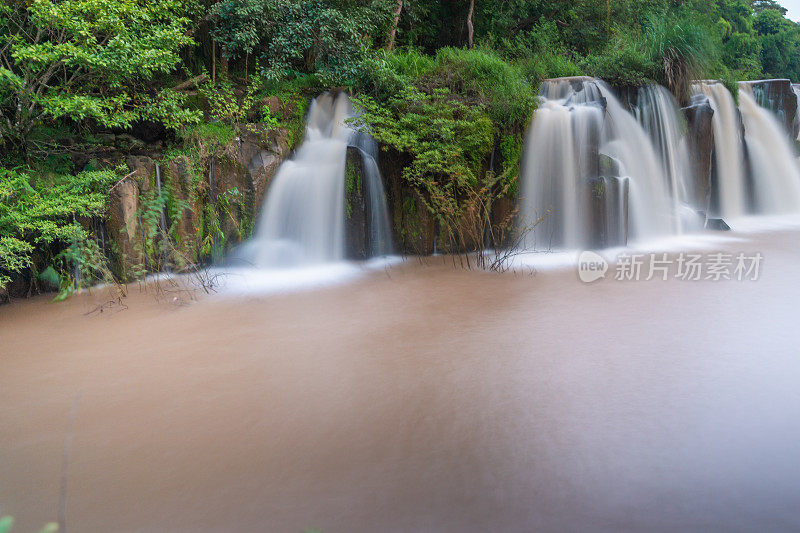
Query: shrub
482, 76
40, 215
681, 49
621, 65
447, 143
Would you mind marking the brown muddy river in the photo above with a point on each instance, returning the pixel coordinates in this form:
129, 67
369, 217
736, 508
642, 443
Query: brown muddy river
424, 398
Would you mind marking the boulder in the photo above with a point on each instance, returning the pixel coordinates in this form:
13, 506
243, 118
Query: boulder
700, 138
246, 165
717, 224
260, 152
609, 166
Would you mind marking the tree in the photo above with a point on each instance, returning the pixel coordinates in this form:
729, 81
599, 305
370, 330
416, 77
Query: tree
470, 27
89, 60
762, 5
395, 21
291, 37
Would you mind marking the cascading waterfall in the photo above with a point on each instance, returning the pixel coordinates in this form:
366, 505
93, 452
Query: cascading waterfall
303, 218
796, 91
773, 161
378, 230
565, 132
653, 214
758, 171
729, 150
659, 114
580, 141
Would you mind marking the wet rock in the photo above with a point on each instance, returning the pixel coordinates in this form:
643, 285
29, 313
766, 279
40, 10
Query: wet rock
143, 168
413, 227
189, 201
608, 205
261, 150
700, 138
355, 206
796, 124
123, 225
129, 143
717, 224
503, 223
242, 172
778, 96
609, 166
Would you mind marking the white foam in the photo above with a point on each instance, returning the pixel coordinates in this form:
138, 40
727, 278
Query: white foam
239, 281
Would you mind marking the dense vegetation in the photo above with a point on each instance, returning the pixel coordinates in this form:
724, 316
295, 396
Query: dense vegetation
449, 85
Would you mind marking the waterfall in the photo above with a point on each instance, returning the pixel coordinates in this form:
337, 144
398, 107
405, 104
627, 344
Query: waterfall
796, 91
773, 160
379, 231
729, 150
581, 139
659, 114
303, 217
653, 214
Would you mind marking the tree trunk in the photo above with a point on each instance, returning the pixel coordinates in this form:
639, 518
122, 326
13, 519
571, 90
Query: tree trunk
395, 21
470, 28
223, 62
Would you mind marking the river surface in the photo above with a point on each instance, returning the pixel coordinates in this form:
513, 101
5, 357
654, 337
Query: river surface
420, 397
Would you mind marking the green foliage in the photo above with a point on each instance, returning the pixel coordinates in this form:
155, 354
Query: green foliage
89, 60
293, 37
446, 139
476, 77
225, 106
681, 49
447, 143
510, 151
41, 215
623, 64
410, 63
216, 134
540, 51
741, 53
483, 76
670, 50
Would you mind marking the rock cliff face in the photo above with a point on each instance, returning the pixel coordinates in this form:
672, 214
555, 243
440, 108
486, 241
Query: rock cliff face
413, 226
356, 206
212, 198
778, 96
